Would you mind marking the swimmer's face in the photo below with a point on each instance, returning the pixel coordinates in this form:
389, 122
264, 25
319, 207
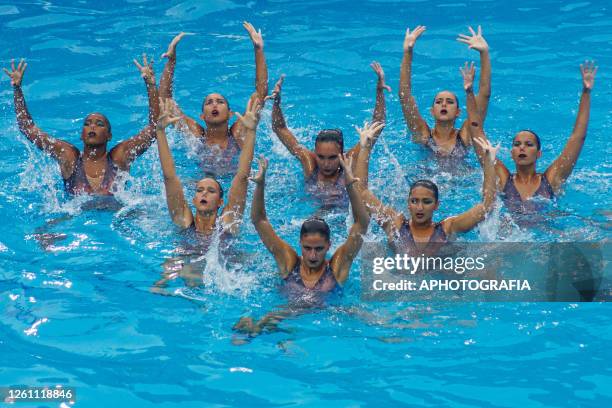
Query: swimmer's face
215, 110
328, 157
96, 131
525, 149
314, 248
207, 197
422, 204
445, 107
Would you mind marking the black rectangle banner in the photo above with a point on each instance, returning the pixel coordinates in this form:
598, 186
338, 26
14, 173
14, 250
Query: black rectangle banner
493, 272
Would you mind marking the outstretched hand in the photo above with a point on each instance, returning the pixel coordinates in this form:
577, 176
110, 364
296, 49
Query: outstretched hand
476, 41
347, 167
276, 92
166, 110
255, 35
490, 151
146, 69
411, 37
16, 74
260, 177
251, 116
588, 71
171, 52
381, 76
369, 133
468, 72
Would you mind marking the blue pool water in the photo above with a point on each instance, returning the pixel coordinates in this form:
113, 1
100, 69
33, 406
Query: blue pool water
79, 311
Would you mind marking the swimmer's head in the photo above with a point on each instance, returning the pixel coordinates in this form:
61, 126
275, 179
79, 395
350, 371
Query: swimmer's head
215, 110
331, 136
526, 148
329, 145
445, 107
208, 197
96, 130
535, 136
315, 242
422, 201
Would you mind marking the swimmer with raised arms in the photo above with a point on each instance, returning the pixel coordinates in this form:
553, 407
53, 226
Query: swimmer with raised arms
323, 174
94, 170
309, 276
220, 143
444, 139
526, 183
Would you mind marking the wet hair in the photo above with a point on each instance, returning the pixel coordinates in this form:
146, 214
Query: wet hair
212, 177
108, 125
331, 135
537, 138
315, 225
428, 184
224, 98
436, 95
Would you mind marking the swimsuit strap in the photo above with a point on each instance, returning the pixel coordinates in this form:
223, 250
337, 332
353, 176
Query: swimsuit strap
109, 173
438, 235
545, 189
510, 192
76, 178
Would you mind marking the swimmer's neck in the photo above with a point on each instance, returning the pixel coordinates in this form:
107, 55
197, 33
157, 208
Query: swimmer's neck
216, 134
311, 272
205, 222
94, 153
415, 226
444, 130
526, 174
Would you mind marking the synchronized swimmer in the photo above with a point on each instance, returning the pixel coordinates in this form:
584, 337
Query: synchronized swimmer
444, 139
518, 188
220, 144
331, 174
94, 170
323, 175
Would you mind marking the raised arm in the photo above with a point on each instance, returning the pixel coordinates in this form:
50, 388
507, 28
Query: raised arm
380, 109
367, 138
562, 167
417, 125
279, 126
342, 259
261, 69
477, 42
285, 256
233, 211
469, 219
386, 216
125, 152
175, 197
65, 153
166, 84
474, 125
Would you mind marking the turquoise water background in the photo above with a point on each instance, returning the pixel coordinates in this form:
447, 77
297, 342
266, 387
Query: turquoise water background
80, 313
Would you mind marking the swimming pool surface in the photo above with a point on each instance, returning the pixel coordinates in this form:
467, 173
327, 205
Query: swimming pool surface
75, 283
